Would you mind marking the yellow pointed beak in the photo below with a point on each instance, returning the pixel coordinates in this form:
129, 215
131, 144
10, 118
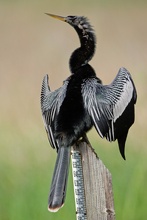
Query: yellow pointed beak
57, 17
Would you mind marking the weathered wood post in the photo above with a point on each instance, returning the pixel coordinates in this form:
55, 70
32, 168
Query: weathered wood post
92, 184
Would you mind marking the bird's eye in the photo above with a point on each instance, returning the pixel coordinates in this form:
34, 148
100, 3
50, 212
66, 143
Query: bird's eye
72, 19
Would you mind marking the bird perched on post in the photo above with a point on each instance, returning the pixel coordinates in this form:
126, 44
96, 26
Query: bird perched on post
81, 103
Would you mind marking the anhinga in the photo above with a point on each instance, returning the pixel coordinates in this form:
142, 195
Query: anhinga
81, 103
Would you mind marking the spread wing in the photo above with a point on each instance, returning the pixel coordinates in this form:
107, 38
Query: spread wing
50, 106
111, 107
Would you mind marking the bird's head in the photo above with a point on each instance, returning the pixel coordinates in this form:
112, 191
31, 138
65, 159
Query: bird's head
78, 22
83, 54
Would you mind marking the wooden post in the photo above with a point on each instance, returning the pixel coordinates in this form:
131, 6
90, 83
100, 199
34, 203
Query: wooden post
97, 185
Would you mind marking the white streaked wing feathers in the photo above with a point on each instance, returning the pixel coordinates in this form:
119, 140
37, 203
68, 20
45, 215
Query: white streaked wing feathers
106, 104
50, 106
124, 100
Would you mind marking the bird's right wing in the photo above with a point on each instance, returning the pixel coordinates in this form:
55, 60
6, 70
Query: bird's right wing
50, 106
111, 107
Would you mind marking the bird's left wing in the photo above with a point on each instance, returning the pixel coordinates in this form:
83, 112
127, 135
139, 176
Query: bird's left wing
50, 106
111, 107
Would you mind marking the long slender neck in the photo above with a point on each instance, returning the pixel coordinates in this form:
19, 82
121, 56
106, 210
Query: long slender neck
85, 52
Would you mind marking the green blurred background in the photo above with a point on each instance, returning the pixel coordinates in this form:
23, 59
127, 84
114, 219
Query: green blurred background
31, 45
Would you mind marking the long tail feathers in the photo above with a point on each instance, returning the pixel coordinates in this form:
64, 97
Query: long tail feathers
59, 180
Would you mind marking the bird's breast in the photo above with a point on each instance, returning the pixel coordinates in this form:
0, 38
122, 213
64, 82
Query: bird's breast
72, 115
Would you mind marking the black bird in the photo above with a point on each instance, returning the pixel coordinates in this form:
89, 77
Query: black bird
81, 103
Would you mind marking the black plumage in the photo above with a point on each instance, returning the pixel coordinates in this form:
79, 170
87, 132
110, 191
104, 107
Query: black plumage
81, 103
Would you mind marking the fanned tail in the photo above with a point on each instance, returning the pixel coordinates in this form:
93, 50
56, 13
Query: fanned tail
59, 180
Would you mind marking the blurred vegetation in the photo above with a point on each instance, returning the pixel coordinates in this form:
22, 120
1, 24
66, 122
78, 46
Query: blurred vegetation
31, 45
